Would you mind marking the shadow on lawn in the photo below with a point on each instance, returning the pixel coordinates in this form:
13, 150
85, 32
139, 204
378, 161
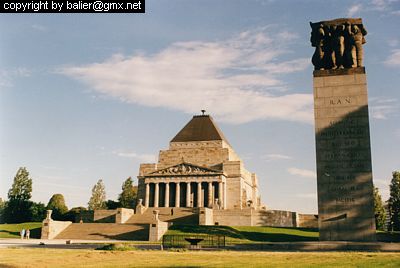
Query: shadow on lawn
35, 232
249, 235
276, 237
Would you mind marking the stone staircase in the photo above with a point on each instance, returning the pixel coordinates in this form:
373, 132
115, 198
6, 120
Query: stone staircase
105, 231
181, 216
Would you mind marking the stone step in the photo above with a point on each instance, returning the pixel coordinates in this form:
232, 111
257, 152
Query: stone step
105, 231
180, 216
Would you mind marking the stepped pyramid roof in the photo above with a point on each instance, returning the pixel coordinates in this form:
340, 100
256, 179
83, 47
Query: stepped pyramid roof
200, 128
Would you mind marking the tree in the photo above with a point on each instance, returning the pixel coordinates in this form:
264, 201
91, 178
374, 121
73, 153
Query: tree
57, 204
127, 198
2, 207
394, 202
98, 199
380, 214
73, 214
111, 204
18, 205
37, 211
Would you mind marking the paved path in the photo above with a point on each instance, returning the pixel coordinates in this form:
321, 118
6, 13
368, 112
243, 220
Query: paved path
268, 246
62, 243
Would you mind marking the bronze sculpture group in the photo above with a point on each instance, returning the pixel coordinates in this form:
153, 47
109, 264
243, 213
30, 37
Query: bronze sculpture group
338, 44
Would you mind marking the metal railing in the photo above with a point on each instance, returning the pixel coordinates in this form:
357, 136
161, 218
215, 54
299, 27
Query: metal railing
184, 241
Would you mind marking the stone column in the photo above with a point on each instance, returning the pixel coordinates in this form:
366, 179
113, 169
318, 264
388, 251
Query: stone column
147, 197
178, 195
343, 152
156, 194
188, 190
199, 195
167, 194
210, 190
220, 198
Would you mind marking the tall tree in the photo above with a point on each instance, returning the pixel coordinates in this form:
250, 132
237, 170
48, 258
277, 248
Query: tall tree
394, 202
2, 207
98, 198
127, 197
18, 205
21, 188
38, 212
380, 214
57, 204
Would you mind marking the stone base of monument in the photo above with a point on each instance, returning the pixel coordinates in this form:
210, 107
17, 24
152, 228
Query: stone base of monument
344, 170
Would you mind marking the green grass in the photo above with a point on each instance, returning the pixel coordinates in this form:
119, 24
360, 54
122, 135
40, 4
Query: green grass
12, 230
255, 234
249, 234
26, 257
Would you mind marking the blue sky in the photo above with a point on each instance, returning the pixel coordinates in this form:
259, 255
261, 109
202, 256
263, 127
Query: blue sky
90, 96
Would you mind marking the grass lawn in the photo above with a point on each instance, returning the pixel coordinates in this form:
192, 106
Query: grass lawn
255, 234
12, 230
91, 258
249, 234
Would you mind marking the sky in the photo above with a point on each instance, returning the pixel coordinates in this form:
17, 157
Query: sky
85, 97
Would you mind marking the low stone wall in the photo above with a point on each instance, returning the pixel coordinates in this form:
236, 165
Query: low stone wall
233, 217
51, 229
252, 217
275, 218
100, 216
307, 221
206, 216
123, 214
157, 228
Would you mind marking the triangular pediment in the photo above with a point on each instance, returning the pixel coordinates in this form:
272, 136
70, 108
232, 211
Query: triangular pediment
184, 169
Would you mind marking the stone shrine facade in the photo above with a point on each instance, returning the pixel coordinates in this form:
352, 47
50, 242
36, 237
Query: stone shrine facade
199, 170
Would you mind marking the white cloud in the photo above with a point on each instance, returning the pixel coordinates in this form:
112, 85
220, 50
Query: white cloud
382, 108
380, 4
141, 157
39, 27
236, 80
354, 9
394, 58
271, 157
302, 172
393, 42
7, 76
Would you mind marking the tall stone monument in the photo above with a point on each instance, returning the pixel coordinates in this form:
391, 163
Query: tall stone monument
344, 171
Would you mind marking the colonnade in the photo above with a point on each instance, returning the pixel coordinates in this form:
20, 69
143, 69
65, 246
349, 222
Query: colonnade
185, 194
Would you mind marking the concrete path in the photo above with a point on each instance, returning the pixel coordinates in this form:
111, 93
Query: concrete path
68, 244
268, 246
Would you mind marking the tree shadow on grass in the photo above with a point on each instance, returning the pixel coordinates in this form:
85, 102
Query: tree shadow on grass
262, 236
210, 230
34, 233
275, 237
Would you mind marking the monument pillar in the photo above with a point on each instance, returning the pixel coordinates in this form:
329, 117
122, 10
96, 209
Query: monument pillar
220, 198
199, 195
188, 193
177, 195
344, 170
147, 197
156, 194
210, 189
166, 194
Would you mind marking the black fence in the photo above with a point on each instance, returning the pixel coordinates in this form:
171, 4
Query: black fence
195, 241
